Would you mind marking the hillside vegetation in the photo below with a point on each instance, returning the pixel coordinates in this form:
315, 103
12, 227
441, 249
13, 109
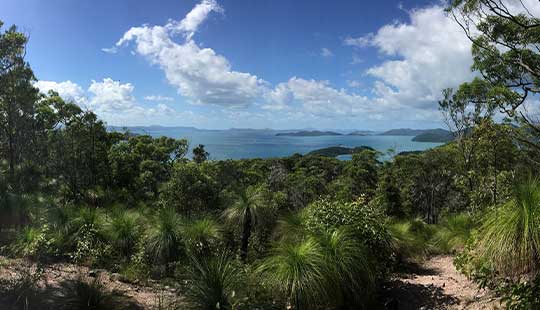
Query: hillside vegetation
301, 232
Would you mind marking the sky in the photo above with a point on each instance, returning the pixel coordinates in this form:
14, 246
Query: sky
216, 64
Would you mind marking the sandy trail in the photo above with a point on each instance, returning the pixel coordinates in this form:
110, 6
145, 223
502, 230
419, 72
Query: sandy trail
436, 284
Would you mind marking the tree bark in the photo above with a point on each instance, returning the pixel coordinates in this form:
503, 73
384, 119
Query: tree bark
246, 233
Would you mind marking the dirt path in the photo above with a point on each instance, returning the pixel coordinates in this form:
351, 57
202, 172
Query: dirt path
436, 284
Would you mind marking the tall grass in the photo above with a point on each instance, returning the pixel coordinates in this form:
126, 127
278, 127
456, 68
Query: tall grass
213, 282
510, 235
164, 240
200, 236
123, 230
453, 232
331, 268
297, 270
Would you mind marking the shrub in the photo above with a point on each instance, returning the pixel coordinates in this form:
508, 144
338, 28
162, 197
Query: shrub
365, 222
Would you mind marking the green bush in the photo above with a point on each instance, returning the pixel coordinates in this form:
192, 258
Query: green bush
366, 222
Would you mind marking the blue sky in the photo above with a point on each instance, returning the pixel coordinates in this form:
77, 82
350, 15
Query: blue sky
259, 64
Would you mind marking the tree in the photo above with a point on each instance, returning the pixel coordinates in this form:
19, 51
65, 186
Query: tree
248, 211
506, 52
200, 155
463, 110
17, 101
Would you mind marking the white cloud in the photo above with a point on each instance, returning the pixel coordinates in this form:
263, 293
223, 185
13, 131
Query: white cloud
158, 98
199, 74
68, 90
432, 54
195, 17
319, 98
111, 96
110, 50
325, 52
112, 101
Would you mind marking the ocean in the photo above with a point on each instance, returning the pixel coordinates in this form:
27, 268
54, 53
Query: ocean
248, 143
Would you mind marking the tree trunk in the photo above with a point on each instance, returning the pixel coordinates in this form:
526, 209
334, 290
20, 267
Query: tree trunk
245, 235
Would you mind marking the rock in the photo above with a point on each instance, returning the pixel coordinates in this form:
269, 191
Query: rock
116, 277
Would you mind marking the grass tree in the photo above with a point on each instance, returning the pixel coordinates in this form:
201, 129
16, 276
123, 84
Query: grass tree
201, 235
213, 282
123, 230
248, 211
297, 270
164, 240
510, 236
330, 268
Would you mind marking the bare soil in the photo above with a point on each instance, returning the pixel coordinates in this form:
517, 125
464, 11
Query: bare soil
436, 284
55, 276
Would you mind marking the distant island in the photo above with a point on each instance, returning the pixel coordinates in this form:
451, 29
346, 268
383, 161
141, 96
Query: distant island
434, 135
334, 151
404, 132
312, 133
422, 135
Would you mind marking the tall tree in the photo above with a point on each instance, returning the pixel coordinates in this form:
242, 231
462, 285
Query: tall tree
17, 100
506, 52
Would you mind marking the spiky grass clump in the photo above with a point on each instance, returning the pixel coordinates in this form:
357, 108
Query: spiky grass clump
510, 235
350, 266
213, 282
410, 239
86, 293
452, 234
200, 236
297, 270
123, 230
30, 243
164, 241
331, 268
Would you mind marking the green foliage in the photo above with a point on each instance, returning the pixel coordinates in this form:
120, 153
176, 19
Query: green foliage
123, 230
31, 243
331, 268
410, 239
366, 222
200, 154
190, 189
164, 242
213, 282
87, 293
510, 234
452, 234
297, 271
202, 236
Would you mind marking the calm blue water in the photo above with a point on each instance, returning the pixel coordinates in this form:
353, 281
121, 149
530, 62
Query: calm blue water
239, 144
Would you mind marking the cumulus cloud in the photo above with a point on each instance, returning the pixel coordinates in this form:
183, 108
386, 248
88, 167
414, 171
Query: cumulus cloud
432, 54
111, 100
318, 98
199, 74
68, 90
